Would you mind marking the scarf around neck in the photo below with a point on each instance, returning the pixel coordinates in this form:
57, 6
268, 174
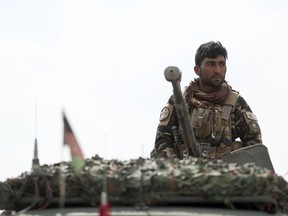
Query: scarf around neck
195, 97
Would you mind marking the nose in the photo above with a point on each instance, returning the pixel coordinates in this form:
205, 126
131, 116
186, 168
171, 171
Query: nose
217, 68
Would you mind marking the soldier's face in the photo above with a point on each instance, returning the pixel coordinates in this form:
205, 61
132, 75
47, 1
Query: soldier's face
211, 72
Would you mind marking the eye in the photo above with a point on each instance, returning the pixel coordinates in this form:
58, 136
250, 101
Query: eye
209, 64
223, 64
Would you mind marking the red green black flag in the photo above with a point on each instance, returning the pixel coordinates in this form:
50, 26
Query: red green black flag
77, 156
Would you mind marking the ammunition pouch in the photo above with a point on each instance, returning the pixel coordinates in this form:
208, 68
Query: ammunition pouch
202, 122
257, 153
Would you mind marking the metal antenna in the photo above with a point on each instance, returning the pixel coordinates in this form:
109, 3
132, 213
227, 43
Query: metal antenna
36, 119
35, 162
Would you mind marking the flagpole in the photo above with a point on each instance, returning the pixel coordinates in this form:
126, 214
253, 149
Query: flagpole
62, 183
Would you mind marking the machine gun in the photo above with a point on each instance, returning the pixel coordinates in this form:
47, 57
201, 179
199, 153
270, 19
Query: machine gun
173, 75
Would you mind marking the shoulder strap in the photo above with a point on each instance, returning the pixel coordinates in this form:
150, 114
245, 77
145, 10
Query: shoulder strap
232, 98
229, 104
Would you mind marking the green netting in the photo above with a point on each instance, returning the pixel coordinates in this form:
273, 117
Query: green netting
152, 182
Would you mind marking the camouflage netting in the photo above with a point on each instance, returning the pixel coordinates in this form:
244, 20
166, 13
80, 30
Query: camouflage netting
150, 182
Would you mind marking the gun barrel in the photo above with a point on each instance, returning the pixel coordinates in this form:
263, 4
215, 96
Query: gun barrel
173, 75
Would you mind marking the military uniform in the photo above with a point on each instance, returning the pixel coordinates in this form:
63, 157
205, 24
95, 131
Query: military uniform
218, 119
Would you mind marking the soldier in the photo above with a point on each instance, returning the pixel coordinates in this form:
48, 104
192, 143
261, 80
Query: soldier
219, 116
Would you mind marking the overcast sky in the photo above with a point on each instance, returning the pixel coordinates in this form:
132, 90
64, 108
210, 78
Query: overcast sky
103, 63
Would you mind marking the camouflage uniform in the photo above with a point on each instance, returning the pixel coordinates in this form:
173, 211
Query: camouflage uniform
210, 127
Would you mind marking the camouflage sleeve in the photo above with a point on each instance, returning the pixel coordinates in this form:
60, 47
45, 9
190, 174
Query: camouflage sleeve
246, 124
164, 136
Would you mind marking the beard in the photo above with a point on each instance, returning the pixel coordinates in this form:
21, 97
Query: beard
215, 81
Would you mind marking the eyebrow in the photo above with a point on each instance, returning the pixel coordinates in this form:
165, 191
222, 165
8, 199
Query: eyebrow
210, 61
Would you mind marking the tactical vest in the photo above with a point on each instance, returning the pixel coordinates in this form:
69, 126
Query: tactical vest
213, 126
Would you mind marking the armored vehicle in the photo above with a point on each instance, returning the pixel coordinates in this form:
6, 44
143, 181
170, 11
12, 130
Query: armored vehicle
242, 183
146, 187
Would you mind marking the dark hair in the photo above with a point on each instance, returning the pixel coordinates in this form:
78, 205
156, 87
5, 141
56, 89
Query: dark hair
210, 50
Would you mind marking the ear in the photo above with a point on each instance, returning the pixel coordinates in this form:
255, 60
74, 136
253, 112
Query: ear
197, 69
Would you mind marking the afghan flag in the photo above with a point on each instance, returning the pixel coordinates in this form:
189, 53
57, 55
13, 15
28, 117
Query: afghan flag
76, 154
